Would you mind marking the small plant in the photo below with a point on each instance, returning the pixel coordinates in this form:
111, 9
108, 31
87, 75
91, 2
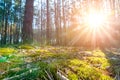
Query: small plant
3, 59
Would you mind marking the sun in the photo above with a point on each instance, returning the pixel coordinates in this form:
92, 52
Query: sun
95, 20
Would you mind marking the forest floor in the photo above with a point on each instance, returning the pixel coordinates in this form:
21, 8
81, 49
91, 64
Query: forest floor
27, 62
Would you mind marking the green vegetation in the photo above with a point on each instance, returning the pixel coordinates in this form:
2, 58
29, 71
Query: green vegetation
85, 71
102, 63
26, 47
54, 40
6, 51
29, 62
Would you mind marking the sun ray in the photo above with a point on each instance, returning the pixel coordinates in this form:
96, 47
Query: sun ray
95, 29
81, 35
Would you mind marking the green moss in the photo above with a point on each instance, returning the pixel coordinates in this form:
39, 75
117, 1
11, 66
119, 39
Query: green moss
7, 51
85, 71
77, 62
26, 47
98, 53
72, 76
104, 77
30, 55
55, 58
41, 51
99, 62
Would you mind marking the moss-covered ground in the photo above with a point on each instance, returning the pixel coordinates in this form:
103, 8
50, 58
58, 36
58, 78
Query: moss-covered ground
27, 62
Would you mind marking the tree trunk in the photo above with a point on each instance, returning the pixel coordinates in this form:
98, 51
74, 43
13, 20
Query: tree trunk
6, 25
48, 23
27, 23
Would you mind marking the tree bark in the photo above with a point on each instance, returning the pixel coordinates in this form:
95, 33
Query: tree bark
48, 23
27, 23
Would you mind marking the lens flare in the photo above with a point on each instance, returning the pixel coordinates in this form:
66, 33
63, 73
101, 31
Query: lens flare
94, 31
95, 20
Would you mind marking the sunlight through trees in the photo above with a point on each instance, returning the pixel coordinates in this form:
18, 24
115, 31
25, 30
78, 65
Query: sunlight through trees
59, 22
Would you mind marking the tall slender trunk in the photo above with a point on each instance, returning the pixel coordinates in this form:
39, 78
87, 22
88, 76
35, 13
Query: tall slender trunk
3, 21
41, 25
27, 23
6, 25
48, 23
64, 23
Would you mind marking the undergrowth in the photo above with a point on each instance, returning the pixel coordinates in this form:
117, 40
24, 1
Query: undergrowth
28, 62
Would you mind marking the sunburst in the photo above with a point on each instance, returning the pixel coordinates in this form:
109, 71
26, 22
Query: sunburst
96, 30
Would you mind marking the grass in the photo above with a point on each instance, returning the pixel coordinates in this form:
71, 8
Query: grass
29, 62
